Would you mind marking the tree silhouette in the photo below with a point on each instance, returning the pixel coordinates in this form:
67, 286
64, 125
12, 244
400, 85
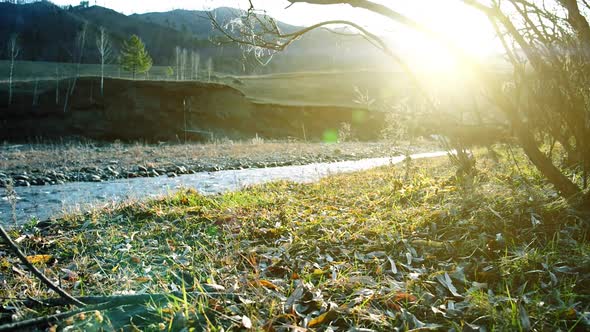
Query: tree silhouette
134, 57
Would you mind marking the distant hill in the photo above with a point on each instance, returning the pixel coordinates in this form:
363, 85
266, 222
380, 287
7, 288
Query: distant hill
48, 32
160, 40
193, 22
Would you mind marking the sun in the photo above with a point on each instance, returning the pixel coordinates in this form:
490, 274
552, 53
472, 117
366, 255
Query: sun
464, 27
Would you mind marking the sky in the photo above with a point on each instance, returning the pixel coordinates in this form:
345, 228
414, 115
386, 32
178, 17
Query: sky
465, 26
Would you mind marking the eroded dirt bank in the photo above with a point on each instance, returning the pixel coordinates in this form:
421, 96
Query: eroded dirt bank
165, 110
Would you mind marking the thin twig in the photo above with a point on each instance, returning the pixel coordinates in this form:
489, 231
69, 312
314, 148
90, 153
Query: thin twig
125, 299
520, 172
70, 299
26, 324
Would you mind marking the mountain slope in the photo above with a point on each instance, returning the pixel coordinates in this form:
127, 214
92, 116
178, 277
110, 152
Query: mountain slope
197, 22
48, 33
45, 31
159, 40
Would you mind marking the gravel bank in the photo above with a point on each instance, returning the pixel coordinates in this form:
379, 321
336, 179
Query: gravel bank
48, 164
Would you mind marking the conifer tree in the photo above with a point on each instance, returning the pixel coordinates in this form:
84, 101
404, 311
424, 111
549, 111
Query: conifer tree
134, 57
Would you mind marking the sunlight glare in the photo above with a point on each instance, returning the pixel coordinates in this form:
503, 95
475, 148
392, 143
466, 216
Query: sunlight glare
466, 28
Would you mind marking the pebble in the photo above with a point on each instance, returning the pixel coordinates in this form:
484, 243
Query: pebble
60, 176
22, 183
22, 177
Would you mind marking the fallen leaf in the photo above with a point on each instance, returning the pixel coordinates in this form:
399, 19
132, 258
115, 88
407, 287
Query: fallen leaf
326, 317
39, 259
446, 281
404, 297
245, 301
525, 322
392, 263
214, 287
318, 272
246, 322
18, 271
4, 263
267, 284
409, 258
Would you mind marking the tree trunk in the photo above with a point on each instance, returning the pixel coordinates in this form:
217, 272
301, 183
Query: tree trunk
10, 81
102, 77
56, 85
566, 187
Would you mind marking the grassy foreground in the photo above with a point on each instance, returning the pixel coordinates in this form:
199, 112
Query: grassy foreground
396, 248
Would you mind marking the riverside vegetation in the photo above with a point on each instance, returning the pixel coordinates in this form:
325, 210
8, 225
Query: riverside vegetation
412, 247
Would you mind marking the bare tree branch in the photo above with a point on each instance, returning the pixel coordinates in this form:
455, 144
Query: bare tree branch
35, 271
547, 53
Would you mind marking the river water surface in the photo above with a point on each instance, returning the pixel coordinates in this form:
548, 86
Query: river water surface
44, 202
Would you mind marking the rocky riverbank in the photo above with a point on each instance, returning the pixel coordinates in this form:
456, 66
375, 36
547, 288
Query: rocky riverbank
49, 164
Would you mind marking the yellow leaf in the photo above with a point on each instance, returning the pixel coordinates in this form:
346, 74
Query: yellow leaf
570, 313
318, 272
4, 263
167, 311
142, 279
39, 259
267, 284
326, 317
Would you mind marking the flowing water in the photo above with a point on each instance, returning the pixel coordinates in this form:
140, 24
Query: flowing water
44, 202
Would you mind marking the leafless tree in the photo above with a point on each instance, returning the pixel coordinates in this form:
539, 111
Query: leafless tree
77, 56
103, 44
183, 63
13, 52
556, 47
57, 84
195, 62
178, 52
209, 69
79, 45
